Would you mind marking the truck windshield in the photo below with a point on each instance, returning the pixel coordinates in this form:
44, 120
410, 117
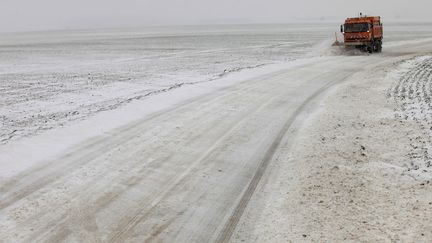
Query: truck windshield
351, 28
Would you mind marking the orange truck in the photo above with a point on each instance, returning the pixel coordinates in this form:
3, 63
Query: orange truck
363, 32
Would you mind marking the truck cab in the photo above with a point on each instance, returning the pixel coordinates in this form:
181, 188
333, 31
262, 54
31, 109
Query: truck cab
364, 32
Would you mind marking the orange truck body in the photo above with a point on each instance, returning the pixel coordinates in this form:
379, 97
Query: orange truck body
364, 32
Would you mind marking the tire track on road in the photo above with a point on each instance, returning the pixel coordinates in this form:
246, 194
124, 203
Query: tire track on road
144, 211
87, 153
230, 226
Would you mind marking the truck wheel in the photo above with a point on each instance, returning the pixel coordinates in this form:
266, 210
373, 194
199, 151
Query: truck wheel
376, 45
379, 46
369, 48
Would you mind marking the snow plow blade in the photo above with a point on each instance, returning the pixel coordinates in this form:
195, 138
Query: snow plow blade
337, 43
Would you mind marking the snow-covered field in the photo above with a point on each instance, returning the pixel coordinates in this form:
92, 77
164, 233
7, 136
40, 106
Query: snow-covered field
200, 133
50, 79
412, 92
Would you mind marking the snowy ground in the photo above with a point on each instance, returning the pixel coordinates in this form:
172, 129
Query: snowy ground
198, 134
359, 169
55, 79
49, 80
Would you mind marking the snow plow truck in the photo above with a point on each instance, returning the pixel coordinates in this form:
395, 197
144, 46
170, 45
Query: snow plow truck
363, 32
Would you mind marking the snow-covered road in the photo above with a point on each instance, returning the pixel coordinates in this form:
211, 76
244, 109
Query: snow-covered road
182, 174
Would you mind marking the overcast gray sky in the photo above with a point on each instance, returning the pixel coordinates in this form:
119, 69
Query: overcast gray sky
23, 15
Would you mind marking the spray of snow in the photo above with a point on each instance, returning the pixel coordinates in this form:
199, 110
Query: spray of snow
326, 48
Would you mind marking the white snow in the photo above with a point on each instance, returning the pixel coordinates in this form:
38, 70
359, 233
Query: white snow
127, 172
17, 156
58, 96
